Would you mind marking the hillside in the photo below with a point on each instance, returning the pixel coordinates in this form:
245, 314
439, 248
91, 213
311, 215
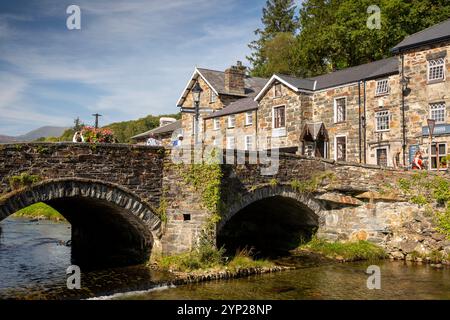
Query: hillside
42, 132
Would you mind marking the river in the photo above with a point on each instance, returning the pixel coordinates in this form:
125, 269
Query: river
34, 259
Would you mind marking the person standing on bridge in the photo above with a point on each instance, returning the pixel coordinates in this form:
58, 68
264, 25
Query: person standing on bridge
78, 137
151, 141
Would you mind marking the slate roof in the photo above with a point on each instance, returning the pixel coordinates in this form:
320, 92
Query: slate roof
216, 79
437, 33
353, 74
241, 105
160, 130
300, 83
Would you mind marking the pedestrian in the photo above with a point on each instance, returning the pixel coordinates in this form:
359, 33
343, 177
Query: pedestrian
177, 143
417, 163
151, 141
78, 137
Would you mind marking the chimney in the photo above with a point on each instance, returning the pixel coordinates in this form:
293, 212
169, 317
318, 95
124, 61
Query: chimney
234, 79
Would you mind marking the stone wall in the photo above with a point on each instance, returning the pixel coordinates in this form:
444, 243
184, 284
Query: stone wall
297, 112
422, 93
137, 168
238, 132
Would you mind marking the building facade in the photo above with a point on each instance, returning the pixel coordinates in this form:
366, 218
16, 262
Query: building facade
374, 113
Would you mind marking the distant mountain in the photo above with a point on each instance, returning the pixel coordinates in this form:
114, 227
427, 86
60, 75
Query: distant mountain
46, 131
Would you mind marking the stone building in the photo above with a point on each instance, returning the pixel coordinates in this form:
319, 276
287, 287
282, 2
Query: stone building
220, 89
374, 113
163, 133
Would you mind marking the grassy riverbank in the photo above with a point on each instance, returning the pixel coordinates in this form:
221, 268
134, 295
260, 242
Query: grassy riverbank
208, 258
345, 251
40, 211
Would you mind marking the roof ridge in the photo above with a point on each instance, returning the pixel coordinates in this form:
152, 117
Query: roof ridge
426, 29
348, 68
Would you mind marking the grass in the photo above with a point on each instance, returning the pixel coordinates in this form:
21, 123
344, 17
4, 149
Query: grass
39, 210
347, 251
208, 258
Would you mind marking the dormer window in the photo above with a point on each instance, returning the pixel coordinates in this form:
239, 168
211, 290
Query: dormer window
382, 87
436, 69
277, 90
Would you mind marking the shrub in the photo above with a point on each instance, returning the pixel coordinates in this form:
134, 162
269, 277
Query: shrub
93, 135
349, 251
23, 180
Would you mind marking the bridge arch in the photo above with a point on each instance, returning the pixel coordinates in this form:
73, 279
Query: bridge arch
271, 219
111, 226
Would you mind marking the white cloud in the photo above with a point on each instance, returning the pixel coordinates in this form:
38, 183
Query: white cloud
136, 54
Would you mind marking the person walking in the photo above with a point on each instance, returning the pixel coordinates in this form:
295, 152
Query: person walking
417, 163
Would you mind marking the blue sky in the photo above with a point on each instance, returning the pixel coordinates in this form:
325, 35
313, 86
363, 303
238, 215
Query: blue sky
131, 58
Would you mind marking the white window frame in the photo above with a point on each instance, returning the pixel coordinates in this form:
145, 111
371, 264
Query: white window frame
335, 109
212, 96
231, 123
280, 131
382, 84
443, 108
275, 90
273, 116
246, 144
249, 118
387, 154
436, 156
216, 123
335, 146
229, 139
436, 64
385, 113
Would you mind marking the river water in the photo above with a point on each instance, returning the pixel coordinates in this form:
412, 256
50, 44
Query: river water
34, 259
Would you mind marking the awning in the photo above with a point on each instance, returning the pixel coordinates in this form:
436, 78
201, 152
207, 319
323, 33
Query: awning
314, 131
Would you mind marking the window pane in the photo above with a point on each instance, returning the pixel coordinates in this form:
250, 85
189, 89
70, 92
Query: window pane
340, 109
341, 148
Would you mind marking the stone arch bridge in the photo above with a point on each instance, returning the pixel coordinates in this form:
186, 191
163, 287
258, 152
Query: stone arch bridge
127, 202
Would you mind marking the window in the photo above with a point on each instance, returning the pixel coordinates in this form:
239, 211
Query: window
382, 87
341, 148
212, 97
249, 118
279, 117
231, 143
340, 109
437, 112
442, 153
436, 69
382, 157
277, 90
214, 142
382, 120
248, 142
216, 123
231, 121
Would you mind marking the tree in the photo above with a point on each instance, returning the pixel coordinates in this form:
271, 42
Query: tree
278, 17
78, 125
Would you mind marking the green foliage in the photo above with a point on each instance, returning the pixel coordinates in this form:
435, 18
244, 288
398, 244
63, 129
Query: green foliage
425, 189
23, 180
42, 150
348, 251
209, 257
443, 222
311, 185
40, 210
205, 257
123, 131
278, 18
334, 34
273, 182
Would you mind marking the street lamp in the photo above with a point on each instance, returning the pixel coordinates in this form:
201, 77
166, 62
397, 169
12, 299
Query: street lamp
431, 125
196, 93
404, 81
